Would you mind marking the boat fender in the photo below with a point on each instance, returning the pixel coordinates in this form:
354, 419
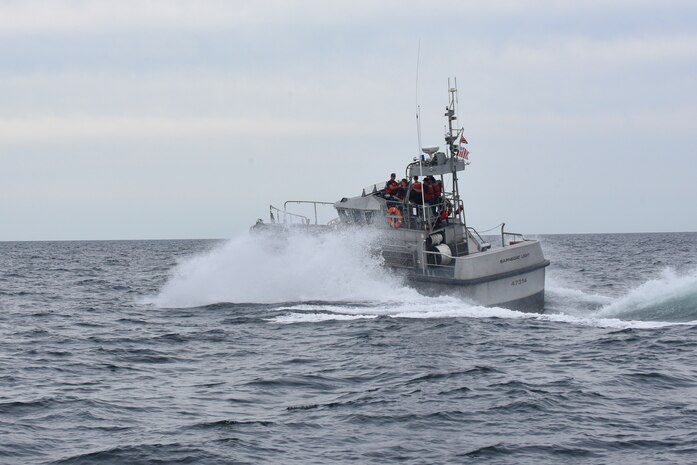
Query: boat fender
446, 254
439, 255
435, 239
394, 217
432, 258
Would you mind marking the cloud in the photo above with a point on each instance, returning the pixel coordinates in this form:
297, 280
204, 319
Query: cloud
612, 52
75, 16
74, 128
37, 16
665, 123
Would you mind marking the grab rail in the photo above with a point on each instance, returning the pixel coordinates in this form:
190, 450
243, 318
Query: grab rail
517, 237
471, 229
309, 202
284, 216
413, 213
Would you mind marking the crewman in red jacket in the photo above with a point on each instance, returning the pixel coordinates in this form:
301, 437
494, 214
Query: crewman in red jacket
391, 185
415, 192
437, 190
403, 189
428, 190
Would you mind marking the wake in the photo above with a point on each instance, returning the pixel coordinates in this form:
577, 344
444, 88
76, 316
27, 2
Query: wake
338, 268
670, 297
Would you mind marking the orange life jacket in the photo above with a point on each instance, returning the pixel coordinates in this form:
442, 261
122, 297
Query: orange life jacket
436, 190
428, 192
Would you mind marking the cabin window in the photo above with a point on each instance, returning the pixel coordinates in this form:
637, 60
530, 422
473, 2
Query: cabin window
357, 216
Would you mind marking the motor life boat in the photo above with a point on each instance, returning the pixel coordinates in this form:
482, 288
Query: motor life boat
428, 240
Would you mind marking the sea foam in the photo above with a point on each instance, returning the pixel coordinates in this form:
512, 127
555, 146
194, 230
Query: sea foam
297, 267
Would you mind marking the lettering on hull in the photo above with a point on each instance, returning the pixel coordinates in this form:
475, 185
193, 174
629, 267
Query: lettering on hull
515, 257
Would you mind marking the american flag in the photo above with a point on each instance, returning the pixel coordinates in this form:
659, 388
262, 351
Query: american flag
463, 152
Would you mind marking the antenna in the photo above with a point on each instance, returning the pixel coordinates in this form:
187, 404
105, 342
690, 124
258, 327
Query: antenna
418, 132
457, 102
418, 58
418, 108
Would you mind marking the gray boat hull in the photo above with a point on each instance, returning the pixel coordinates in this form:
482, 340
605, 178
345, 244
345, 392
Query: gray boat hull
512, 277
523, 292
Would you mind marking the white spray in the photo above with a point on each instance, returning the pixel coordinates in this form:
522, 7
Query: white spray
299, 267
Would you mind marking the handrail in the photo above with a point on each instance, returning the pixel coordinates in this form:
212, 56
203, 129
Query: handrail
374, 188
312, 202
435, 263
481, 239
416, 220
517, 237
286, 215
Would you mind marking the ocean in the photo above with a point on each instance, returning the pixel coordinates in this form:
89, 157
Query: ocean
304, 350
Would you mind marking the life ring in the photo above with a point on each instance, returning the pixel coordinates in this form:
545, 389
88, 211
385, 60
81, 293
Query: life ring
394, 217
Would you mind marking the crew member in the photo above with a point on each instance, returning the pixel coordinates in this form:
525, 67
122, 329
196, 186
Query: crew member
403, 189
391, 185
437, 190
428, 190
415, 192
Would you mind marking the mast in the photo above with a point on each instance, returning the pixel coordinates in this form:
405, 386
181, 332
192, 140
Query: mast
451, 140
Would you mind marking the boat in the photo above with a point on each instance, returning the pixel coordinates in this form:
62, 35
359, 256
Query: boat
428, 239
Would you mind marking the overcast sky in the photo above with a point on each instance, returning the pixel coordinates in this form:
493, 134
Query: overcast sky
186, 119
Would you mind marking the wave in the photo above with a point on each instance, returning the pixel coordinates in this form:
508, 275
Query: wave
446, 307
670, 297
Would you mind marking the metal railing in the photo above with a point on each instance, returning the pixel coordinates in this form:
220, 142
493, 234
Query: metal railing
295, 218
516, 237
374, 188
434, 263
474, 231
413, 214
399, 256
285, 217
